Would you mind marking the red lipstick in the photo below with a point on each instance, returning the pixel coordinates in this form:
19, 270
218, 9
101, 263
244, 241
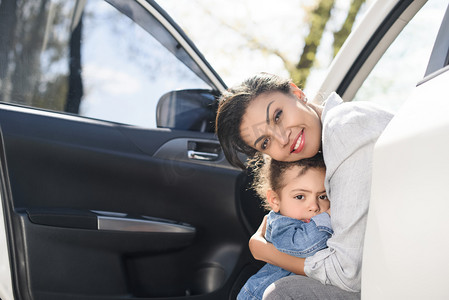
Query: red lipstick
298, 143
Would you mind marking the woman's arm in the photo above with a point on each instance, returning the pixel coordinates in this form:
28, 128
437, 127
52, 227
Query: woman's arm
262, 250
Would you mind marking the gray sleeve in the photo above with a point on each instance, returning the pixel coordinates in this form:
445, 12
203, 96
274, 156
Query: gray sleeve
348, 149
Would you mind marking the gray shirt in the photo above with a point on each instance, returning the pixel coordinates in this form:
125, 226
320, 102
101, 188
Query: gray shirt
350, 131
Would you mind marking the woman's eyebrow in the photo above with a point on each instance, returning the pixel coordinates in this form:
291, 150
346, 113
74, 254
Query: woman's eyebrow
268, 112
258, 139
268, 122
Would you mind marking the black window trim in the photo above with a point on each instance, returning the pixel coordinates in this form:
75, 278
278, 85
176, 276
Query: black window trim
372, 44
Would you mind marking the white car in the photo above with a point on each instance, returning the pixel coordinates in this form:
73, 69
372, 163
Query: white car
114, 186
405, 242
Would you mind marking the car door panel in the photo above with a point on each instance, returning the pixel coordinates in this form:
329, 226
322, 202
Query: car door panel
95, 216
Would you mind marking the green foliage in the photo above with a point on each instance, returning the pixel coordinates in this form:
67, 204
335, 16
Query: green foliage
318, 20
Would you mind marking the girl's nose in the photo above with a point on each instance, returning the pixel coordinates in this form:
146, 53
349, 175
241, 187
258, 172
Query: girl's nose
313, 206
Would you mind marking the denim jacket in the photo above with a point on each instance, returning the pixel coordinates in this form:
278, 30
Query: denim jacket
290, 236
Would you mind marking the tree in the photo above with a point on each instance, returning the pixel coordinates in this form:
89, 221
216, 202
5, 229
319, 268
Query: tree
341, 35
25, 47
27, 53
76, 91
317, 19
8, 22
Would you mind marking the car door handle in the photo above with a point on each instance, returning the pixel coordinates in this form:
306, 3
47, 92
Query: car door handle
204, 151
104, 220
140, 225
192, 154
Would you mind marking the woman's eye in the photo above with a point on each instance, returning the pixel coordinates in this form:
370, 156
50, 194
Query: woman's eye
264, 144
323, 197
277, 116
299, 197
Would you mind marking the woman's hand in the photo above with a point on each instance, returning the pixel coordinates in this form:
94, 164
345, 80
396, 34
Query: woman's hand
257, 243
265, 251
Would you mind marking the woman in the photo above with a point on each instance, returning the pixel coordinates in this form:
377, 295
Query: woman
270, 115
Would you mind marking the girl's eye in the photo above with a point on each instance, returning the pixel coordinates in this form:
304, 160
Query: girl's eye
277, 116
299, 197
323, 197
264, 144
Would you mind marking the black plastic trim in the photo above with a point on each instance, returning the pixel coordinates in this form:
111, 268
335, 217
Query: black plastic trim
69, 218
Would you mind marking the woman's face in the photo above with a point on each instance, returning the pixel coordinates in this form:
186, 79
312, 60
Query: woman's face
282, 126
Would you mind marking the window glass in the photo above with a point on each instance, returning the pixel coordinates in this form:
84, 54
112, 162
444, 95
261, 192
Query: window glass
98, 64
404, 63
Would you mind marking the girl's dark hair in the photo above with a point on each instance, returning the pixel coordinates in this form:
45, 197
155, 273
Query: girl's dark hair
269, 173
231, 108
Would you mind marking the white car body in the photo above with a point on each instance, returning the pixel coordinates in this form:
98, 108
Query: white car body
5, 267
406, 241
405, 244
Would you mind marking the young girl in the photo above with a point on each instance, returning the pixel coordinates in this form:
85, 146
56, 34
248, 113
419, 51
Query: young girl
270, 115
298, 223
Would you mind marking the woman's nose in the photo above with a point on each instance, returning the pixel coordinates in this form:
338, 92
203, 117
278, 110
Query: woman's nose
282, 137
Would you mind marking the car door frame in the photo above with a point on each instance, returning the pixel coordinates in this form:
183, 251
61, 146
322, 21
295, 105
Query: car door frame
365, 45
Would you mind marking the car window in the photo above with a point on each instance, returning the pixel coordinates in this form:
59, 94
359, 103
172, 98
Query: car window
90, 60
404, 63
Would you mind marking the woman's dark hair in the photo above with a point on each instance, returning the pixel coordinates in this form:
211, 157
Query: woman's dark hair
269, 173
231, 108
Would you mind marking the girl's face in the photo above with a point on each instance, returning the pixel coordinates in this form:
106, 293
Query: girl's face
282, 126
304, 195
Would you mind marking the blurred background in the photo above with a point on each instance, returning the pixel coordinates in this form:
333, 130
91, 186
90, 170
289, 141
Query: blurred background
90, 58
292, 38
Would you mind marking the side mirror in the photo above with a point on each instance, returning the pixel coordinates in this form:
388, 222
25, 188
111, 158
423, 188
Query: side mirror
187, 110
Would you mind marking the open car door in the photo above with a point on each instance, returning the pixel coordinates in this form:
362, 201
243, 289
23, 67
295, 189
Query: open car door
107, 194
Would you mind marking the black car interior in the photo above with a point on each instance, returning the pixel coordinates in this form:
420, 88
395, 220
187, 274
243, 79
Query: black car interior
94, 215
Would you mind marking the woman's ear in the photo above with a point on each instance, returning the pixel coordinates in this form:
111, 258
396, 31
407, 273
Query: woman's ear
273, 200
298, 92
